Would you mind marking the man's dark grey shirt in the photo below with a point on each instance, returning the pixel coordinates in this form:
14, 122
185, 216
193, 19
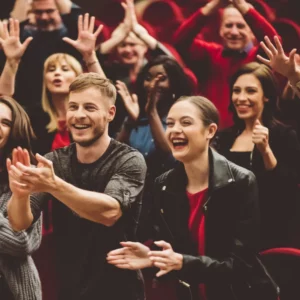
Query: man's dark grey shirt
82, 245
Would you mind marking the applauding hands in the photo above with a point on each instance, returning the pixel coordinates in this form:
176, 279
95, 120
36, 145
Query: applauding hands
134, 256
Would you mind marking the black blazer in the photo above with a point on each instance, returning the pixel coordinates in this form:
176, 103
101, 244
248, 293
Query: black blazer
231, 228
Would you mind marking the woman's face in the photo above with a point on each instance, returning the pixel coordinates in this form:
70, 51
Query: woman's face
164, 83
186, 134
5, 124
248, 97
58, 77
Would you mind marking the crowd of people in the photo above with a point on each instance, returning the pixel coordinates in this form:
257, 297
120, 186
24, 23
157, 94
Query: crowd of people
143, 163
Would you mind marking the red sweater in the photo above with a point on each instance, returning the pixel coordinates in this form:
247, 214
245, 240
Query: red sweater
210, 63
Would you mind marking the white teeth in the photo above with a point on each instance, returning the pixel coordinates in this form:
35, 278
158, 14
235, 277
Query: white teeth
81, 126
177, 141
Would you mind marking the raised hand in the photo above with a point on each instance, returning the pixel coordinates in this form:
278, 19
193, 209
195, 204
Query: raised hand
278, 61
166, 260
130, 101
86, 40
153, 95
132, 256
260, 137
10, 40
19, 187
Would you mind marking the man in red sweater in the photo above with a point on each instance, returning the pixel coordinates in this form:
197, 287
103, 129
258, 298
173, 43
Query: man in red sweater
213, 63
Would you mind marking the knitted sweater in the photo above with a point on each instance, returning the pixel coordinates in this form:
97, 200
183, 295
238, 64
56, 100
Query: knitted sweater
16, 265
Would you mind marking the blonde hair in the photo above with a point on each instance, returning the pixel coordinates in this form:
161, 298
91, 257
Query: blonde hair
89, 80
47, 104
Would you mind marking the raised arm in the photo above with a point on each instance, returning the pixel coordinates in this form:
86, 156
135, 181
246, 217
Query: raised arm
13, 50
258, 24
118, 35
64, 6
104, 208
86, 43
157, 129
280, 62
186, 33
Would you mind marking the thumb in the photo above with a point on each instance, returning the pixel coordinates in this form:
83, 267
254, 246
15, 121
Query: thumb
27, 42
69, 41
257, 122
163, 245
43, 160
8, 164
134, 98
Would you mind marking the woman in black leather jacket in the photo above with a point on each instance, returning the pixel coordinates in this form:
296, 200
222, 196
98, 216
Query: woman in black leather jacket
206, 215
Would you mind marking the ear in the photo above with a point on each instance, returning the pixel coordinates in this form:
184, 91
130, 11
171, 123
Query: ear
212, 129
266, 99
111, 113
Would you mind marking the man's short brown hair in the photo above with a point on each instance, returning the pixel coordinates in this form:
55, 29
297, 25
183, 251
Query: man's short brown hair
88, 80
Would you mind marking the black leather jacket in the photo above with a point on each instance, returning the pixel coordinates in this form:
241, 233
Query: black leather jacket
231, 229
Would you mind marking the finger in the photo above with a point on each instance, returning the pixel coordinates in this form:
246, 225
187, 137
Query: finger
27, 171
17, 28
292, 56
124, 6
15, 172
157, 254
161, 273
163, 245
80, 23
270, 45
86, 22
263, 60
117, 261
5, 31
266, 49
8, 164
158, 259
26, 158
123, 266
98, 31
43, 160
69, 41
14, 156
160, 265
92, 24
20, 157
11, 27
27, 42
21, 186
132, 245
278, 45
117, 252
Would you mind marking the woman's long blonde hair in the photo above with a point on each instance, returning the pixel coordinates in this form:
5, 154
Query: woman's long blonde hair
47, 104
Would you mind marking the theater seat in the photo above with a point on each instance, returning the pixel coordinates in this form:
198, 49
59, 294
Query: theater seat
284, 266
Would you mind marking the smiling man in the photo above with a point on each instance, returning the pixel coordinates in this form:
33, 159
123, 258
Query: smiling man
213, 64
98, 183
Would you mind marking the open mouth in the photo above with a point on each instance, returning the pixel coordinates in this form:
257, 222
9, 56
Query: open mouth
179, 143
57, 82
81, 126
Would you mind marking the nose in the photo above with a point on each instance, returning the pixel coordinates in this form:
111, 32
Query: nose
79, 113
234, 30
44, 16
242, 96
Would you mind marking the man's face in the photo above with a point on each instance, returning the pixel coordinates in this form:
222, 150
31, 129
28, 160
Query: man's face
46, 15
88, 115
234, 31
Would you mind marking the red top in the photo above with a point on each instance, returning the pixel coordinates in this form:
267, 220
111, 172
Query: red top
211, 64
62, 136
197, 226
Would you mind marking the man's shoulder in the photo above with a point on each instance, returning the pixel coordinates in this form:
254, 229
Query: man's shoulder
60, 153
123, 152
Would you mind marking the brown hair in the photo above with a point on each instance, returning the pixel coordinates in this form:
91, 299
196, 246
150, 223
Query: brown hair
21, 133
208, 111
88, 80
